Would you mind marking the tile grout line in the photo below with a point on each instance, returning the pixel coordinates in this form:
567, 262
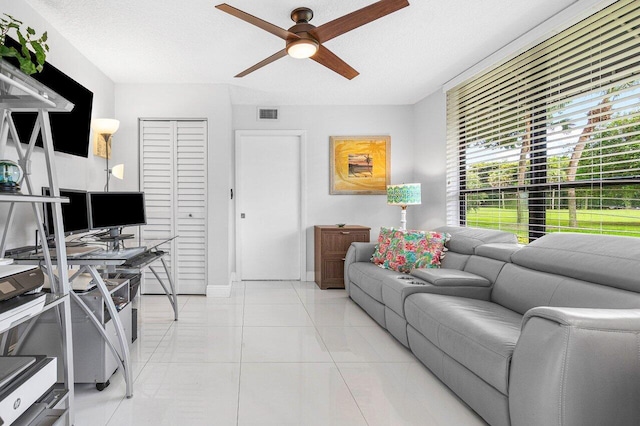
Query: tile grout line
145, 363
332, 359
244, 301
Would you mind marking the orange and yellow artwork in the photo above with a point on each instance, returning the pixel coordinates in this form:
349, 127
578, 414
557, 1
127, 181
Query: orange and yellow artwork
101, 146
360, 164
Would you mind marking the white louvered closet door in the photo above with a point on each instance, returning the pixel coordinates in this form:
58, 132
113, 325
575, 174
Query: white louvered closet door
173, 176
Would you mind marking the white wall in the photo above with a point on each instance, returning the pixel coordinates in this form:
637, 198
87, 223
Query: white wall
430, 143
417, 153
210, 102
320, 122
73, 172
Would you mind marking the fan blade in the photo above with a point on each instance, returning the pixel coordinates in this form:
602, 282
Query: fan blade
273, 29
327, 58
272, 58
356, 19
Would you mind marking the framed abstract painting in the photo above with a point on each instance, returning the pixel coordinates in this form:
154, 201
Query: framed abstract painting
360, 164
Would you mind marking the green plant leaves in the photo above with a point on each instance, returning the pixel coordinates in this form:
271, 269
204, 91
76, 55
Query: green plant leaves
29, 64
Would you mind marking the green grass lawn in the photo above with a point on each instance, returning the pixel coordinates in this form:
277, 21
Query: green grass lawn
616, 222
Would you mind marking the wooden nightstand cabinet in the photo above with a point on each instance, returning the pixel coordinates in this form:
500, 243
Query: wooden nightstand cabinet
331, 245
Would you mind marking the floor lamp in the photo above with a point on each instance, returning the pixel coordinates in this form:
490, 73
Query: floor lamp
105, 128
403, 195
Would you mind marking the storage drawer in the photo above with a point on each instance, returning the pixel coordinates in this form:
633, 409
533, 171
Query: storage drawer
331, 245
336, 243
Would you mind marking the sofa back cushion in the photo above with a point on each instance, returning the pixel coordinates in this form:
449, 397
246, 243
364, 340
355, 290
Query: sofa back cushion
453, 260
572, 270
464, 240
478, 265
603, 259
521, 289
484, 267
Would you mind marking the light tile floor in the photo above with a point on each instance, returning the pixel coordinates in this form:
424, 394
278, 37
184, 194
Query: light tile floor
274, 353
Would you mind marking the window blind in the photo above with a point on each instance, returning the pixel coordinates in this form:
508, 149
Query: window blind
550, 140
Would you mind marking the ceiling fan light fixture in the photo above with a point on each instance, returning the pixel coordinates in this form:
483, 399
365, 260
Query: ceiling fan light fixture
302, 48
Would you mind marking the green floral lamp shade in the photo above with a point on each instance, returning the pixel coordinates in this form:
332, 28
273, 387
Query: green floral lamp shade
405, 194
10, 176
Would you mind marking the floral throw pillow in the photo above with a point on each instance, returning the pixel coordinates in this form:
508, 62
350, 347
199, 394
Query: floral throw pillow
387, 241
403, 251
431, 250
396, 249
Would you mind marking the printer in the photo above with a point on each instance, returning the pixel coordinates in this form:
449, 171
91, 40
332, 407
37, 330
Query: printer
19, 279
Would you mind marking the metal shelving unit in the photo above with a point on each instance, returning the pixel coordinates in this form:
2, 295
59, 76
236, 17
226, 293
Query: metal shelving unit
21, 93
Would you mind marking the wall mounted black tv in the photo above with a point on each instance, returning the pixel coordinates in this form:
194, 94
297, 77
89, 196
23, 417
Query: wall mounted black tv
71, 130
75, 213
116, 209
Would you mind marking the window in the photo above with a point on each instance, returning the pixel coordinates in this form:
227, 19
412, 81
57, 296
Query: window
550, 140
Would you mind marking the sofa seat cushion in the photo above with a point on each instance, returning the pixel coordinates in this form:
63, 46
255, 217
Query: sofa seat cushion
368, 277
478, 334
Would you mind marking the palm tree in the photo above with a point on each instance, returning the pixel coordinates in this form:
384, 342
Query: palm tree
599, 114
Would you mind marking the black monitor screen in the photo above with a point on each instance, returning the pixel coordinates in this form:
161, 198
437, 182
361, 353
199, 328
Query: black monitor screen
115, 209
70, 130
75, 213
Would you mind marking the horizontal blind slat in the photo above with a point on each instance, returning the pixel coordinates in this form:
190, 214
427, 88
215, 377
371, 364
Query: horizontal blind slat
551, 133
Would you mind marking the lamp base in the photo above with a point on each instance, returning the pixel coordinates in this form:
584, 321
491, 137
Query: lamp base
10, 187
403, 218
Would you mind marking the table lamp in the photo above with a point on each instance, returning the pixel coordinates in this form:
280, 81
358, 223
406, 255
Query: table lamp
403, 195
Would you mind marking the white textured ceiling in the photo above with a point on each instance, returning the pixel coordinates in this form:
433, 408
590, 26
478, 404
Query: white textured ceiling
401, 57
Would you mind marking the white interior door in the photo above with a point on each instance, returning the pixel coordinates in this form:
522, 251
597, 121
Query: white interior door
269, 243
173, 175
157, 175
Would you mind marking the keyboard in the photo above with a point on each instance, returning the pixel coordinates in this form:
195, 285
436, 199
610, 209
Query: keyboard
126, 253
143, 259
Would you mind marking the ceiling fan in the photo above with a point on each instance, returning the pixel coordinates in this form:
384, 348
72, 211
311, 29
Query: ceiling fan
304, 40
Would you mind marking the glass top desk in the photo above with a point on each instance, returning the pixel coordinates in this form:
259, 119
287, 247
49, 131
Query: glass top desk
123, 260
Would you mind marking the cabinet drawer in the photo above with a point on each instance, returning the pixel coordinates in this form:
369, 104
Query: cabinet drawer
333, 272
337, 243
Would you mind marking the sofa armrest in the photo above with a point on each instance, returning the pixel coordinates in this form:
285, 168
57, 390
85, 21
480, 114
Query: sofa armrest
357, 252
602, 319
448, 282
363, 251
442, 277
576, 366
396, 289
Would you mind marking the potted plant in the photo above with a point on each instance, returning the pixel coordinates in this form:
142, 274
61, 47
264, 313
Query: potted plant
29, 64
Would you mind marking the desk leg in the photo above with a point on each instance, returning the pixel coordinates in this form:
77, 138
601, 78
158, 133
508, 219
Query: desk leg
173, 297
123, 358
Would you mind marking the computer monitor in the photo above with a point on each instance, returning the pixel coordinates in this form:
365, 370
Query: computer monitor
113, 210
75, 213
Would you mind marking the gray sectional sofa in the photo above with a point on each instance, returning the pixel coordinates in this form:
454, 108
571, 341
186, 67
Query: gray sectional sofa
547, 333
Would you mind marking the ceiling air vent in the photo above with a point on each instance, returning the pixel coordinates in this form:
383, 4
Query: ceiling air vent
267, 114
